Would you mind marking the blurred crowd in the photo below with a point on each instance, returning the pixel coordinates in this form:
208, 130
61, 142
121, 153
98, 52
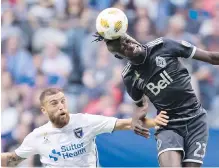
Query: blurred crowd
48, 43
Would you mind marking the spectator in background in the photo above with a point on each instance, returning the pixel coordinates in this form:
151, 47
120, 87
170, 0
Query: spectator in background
10, 27
203, 74
76, 44
97, 91
104, 105
176, 29
43, 11
211, 40
56, 65
9, 100
143, 30
74, 8
158, 12
216, 79
18, 61
115, 84
125, 110
100, 5
196, 15
214, 118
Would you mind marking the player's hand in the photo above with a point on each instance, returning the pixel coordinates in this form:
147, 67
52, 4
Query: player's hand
138, 121
139, 128
161, 119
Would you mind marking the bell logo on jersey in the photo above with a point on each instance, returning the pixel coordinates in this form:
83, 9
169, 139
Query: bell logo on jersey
161, 84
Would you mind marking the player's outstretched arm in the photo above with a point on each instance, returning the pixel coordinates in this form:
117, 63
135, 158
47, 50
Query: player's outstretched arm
126, 124
207, 56
10, 159
123, 124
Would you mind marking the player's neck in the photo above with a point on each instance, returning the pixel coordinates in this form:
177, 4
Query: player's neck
58, 126
140, 58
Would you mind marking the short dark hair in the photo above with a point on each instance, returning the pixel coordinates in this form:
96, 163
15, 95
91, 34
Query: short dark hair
48, 92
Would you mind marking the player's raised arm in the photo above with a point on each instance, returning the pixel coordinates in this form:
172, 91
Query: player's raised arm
187, 50
207, 56
10, 159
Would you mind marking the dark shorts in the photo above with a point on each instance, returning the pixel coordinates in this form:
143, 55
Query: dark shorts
189, 136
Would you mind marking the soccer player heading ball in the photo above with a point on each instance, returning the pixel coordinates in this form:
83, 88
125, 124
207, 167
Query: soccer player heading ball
154, 70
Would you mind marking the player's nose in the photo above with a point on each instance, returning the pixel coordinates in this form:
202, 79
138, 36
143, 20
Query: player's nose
61, 106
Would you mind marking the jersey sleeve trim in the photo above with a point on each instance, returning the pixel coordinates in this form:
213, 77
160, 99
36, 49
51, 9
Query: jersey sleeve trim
193, 52
113, 122
138, 100
20, 154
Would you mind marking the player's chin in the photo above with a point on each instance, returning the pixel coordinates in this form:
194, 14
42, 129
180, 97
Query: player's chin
63, 118
129, 54
62, 121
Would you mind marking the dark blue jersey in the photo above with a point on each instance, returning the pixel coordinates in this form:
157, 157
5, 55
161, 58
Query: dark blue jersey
163, 79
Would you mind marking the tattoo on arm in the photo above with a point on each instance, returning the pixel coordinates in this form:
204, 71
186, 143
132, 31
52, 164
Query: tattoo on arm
10, 159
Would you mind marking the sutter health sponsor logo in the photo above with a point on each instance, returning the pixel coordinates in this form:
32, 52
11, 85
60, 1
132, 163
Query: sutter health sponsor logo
67, 151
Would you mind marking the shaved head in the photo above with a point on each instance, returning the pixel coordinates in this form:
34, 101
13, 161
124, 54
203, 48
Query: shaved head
49, 92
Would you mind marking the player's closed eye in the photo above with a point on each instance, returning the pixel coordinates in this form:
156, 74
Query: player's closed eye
54, 103
63, 101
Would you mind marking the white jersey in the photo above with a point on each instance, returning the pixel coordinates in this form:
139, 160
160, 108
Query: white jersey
71, 146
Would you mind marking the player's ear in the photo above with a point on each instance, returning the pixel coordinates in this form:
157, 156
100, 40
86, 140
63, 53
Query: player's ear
43, 110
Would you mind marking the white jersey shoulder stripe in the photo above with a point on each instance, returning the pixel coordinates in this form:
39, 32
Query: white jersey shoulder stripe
155, 42
126, 68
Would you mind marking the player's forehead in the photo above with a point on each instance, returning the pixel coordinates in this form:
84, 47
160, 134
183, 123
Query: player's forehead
113, 45
54, 97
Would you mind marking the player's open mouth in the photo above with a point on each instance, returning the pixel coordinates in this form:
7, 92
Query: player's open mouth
62, 114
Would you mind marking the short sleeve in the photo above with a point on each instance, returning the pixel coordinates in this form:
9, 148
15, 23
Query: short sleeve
100, 124
28, 147
132, 90
180, 49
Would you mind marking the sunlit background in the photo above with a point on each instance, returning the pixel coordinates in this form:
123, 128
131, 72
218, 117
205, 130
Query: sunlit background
47, 43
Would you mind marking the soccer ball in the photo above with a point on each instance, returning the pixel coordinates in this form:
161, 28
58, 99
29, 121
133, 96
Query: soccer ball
111, 23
